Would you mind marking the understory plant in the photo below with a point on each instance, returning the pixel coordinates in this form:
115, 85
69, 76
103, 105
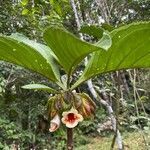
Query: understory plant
58, 59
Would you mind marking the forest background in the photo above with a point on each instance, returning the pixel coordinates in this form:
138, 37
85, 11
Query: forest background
22, 112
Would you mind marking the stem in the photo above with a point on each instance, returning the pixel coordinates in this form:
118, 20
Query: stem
69, 138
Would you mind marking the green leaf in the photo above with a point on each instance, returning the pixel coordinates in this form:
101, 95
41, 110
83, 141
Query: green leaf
107, 27
28, 54
99, 33
44, 50
58, 9
69, 49
95, 31
130, 49
47, 52
24, 2
66, 1
39, 87
52, 2
25, 12
105, 42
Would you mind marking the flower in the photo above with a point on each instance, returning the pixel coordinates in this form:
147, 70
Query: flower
54, 124
71, 118
87, 108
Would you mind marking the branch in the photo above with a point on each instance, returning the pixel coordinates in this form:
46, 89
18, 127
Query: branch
75, 14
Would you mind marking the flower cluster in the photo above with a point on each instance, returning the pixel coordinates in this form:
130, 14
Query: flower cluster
70, 119
80, 107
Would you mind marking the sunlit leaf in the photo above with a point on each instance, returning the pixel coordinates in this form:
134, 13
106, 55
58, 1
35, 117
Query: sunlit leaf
42, 49
39, 87
29, 55
25, 11
69, 50
130, 49
24, 2
47, 52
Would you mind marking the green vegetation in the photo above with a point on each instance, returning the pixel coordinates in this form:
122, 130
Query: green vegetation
52, 52
132, 141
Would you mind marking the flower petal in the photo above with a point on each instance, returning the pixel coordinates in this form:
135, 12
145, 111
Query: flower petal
71, 125
54, 124
65, 113
64, 120
80, 117
73, 111
53, 127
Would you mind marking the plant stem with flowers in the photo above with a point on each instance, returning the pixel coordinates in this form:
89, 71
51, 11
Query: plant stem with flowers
70, 108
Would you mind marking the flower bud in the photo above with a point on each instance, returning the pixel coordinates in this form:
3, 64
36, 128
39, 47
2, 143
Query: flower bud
58, 102
88, 106
78, 101
55, 123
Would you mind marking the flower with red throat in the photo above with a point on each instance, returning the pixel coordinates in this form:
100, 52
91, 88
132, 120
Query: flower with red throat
54, 124
71, 118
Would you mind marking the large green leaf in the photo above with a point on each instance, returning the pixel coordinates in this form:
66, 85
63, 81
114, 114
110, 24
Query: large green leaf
44, 50
47, 52
27, 54
130, 49
39, 87
69, 49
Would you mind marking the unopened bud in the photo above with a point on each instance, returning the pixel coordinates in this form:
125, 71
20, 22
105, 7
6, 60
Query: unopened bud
88, 106
54, 124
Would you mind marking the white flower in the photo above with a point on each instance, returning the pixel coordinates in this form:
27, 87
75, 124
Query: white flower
71, 118
54, 124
